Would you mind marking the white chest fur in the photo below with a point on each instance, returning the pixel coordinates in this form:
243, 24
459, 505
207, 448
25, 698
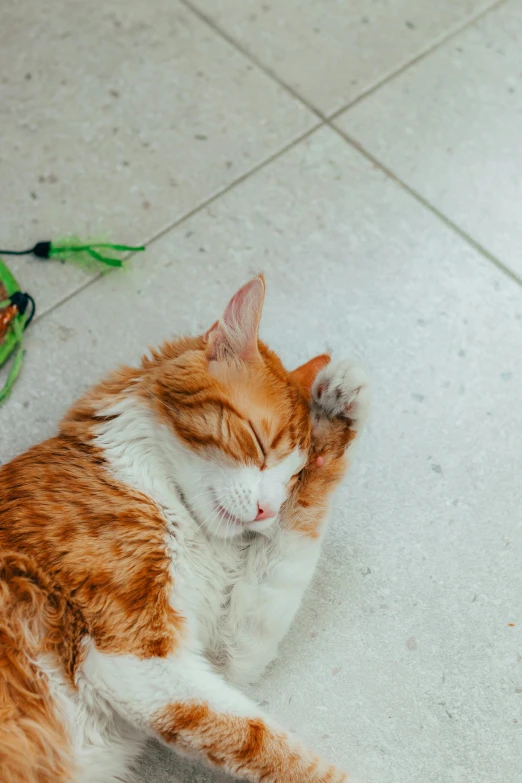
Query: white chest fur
239, 595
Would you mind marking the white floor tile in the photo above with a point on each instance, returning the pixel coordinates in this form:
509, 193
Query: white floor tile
117, 118
451, 128
332, 51
402, 665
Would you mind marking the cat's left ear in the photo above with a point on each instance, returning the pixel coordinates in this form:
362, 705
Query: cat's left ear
235, 334
305, 375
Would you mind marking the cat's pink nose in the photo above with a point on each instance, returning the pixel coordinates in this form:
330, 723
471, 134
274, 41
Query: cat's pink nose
264, 512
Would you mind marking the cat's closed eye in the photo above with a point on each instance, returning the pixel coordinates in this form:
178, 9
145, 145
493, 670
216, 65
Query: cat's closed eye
258, 440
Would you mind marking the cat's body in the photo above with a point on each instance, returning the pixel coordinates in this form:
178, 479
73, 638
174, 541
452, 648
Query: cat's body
154, 553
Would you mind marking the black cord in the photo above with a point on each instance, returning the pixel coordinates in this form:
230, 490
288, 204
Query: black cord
40, 250
16, 252
20, 301
31, 314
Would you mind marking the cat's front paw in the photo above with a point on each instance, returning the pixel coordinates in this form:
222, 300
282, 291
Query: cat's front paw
342, 391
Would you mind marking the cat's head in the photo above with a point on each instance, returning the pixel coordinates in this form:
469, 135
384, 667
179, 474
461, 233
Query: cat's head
241, 422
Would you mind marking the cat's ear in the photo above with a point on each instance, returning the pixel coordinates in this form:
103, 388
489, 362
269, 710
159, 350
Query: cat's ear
235, 334
305, 374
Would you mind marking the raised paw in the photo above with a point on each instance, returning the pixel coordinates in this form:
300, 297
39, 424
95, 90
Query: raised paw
342, 391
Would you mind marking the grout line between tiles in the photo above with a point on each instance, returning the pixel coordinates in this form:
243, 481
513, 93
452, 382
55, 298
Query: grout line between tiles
322, 121
217, 28
444, 39
252, 57
329, 119
490, 257
202, 205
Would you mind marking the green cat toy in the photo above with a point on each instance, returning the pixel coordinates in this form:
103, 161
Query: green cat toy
15, 316
17, 309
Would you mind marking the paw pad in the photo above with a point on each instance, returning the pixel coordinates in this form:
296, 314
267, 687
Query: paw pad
342, 391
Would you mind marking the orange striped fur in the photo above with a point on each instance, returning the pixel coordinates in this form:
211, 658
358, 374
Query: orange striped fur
248, 748
34, 619
83, 555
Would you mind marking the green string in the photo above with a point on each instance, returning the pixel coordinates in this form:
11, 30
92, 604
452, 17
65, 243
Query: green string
64, 250
17, 361
14, 336
13, 374
11, 347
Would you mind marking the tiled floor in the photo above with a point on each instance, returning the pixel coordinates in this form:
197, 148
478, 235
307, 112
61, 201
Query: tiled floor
224, 135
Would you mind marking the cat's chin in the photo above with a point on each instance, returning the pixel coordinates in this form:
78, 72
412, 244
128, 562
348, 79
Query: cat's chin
227, 532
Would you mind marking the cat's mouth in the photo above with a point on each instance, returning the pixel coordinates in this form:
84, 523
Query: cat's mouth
226, 516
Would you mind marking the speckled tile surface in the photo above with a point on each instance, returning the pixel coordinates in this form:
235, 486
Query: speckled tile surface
332, 51
402, 665
450, 127
116, 118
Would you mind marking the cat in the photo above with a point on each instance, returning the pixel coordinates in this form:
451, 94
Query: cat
154, 552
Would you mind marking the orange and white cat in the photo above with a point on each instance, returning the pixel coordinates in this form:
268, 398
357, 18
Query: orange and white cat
154, 553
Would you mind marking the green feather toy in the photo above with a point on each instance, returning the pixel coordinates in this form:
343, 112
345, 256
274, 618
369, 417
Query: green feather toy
93, 255
17, 309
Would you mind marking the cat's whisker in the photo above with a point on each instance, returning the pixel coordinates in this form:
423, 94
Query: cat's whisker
203, 500
210, 520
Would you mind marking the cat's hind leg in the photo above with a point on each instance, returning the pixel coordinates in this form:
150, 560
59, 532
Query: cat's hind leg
192, 709
34, 743
104, 746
